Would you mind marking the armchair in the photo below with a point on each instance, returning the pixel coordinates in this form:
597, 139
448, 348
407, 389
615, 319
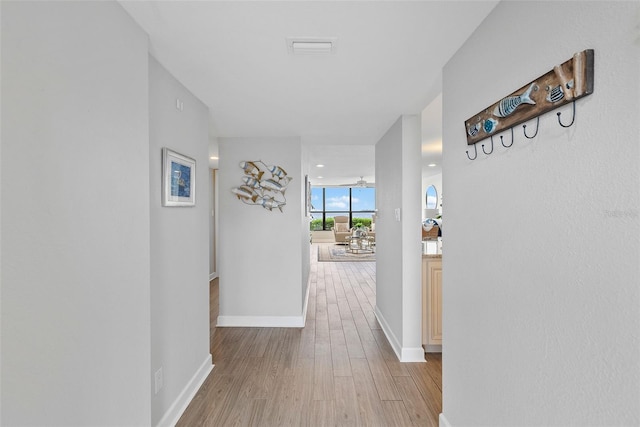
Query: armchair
341, 229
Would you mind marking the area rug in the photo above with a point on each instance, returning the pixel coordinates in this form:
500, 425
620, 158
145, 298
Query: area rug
336, 253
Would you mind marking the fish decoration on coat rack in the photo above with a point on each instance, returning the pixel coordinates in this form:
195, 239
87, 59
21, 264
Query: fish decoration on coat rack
565, 83
263, 185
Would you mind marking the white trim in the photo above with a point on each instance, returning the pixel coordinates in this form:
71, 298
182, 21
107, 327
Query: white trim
306, 303
260, 322
175, 411
213, 276
443, 421
404, 354
395, 344
412, 354
267, 321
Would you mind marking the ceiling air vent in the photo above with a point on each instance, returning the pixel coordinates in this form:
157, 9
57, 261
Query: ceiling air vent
311, 45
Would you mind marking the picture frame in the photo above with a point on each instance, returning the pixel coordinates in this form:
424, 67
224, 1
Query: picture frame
178, 179
307, 196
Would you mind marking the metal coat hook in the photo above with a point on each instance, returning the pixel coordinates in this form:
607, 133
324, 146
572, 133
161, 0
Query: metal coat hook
524, 129
572, 119
476, 149
491, 147
502, 141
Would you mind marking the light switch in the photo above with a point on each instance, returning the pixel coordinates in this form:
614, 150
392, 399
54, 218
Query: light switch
397, 212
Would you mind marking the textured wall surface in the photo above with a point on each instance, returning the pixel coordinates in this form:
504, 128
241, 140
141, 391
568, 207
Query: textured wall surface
541, 259
179, 243
75, 216
398, 284
262, 260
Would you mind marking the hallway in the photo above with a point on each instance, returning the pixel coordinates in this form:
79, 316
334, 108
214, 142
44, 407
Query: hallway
339, 370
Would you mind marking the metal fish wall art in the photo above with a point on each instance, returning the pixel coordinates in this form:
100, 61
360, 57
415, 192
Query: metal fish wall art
251, 169
263, 185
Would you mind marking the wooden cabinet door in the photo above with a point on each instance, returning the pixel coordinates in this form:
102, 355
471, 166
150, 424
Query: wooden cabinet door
434, 302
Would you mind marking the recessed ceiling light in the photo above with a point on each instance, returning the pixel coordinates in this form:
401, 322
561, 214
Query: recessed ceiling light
320, 177
213, 158
431, 165
311, 45
319, 166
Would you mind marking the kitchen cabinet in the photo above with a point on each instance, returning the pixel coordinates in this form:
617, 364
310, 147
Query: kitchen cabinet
432, 303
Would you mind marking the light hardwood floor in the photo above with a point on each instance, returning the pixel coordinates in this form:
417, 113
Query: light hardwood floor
339, 370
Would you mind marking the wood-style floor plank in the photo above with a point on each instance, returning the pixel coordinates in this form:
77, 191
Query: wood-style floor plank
346, 399
339, 355
416, 406
396, 414
339, 370
369, 403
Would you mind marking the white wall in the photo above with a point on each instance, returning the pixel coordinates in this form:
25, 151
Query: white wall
213, 219
75, 216
179, 249
541, 298
264, 261
398, 268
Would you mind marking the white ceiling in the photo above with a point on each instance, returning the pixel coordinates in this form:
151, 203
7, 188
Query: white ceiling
233, 56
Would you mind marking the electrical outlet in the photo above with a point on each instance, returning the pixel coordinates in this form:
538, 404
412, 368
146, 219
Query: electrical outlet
159, 380
179, 104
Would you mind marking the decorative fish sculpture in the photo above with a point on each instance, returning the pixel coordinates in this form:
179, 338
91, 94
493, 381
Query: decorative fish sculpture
250, 168
555, 94
489, 125
270, 184
244, 193
473, 130
509, 104
277, 171
250, 181
270, 203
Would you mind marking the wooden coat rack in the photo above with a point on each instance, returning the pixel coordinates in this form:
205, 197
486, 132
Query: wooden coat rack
567, 82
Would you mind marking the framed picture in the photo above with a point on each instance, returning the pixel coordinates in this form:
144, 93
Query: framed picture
178, 179
307, 196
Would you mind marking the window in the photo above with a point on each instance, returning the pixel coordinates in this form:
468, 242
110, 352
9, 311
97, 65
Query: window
358, 203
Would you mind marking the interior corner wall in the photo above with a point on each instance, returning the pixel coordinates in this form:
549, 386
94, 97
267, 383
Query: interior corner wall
541, 305
179, 249
398, 268
75, 216
261, 259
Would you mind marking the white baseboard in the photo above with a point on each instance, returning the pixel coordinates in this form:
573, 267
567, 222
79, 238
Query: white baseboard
260, 322
443, 421
213, 276
395, 344
266, 321
412, 354
178, 407
306, 303
404, 354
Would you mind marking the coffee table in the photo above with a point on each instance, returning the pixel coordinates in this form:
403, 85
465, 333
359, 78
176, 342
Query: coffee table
360, 244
